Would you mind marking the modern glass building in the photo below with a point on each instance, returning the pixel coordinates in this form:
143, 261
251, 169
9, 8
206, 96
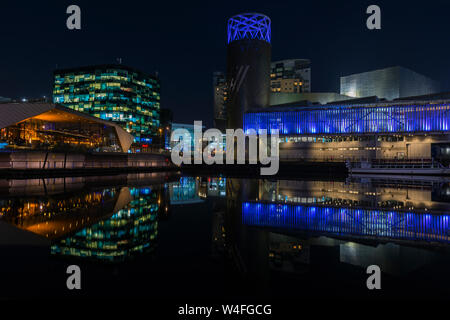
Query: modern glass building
116, 93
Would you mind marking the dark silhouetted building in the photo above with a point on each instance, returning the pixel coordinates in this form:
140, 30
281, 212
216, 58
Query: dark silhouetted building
248, 65
220, 99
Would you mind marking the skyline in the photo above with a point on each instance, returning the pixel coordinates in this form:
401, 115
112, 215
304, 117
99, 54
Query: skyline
227, 159
143, 35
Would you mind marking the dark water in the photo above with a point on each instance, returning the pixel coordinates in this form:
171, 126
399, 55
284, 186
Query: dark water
217, 239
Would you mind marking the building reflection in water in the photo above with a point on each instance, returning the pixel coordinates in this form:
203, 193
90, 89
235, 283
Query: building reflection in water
90, 221
129, 231
54, 216
349, 222
212, 187
184, 191
396, 224
258, 225
190, 190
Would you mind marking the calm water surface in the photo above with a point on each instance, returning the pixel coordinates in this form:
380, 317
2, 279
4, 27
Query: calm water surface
167, 236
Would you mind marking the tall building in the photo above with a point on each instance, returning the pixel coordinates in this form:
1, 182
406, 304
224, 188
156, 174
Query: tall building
248, 65
290, 76
389, 83
220, 97
117, 93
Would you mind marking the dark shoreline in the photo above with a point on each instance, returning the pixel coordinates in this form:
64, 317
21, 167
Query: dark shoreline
286, 170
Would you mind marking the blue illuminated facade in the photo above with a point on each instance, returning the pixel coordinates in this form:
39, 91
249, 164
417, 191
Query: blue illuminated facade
349, 221
249, 26
351, 119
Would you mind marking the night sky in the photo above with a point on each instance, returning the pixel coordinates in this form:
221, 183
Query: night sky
185, 41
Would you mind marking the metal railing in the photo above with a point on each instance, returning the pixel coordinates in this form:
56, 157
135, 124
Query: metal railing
80, 164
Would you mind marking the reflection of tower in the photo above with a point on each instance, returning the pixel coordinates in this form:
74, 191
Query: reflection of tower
248, 65
164, 203
249, 247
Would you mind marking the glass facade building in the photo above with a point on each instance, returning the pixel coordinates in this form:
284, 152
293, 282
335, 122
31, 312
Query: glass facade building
350, 119
116, 93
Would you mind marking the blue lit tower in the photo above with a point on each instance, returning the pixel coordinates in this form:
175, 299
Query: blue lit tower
248, 65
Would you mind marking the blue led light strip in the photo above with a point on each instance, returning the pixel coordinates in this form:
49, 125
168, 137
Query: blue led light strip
249, 26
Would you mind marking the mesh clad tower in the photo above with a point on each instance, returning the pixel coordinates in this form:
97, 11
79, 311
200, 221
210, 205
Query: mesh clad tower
248, 65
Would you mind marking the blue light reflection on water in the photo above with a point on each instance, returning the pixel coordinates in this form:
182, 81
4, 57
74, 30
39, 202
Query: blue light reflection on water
348, 221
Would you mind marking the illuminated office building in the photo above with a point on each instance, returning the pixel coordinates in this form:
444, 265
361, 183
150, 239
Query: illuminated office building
389, 83
117, 93
290, 76
337, 132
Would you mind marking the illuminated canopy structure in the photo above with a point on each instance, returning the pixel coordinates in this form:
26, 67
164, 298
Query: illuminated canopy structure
249, 26
45, 125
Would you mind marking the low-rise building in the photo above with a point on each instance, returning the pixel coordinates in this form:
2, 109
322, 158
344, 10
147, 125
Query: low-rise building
338, 132
47, 126
388, 83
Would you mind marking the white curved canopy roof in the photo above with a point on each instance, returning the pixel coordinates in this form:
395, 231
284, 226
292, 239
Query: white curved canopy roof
12, 113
